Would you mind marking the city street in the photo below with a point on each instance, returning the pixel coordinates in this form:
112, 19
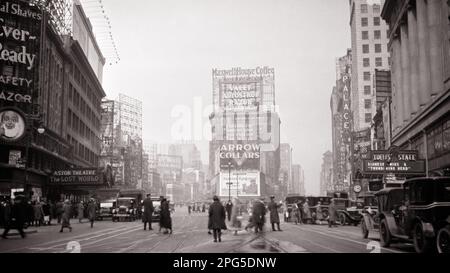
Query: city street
191, 236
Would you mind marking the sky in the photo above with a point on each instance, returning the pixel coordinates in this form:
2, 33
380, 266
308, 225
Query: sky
168, 49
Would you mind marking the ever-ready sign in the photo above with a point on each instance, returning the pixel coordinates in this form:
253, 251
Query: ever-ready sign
87, 177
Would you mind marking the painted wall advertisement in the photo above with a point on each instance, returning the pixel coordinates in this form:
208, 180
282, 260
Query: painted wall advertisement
241, 156
240, 184
20, 28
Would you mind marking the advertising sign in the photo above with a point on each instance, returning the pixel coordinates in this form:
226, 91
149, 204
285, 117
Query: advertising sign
346, 111
240, 95
240, 184
361, 144
241, 156
78, 177
107, 123
14, 157
399, 167
20, 29
12, 125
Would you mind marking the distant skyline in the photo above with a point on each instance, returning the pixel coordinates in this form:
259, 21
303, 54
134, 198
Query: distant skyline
169, 48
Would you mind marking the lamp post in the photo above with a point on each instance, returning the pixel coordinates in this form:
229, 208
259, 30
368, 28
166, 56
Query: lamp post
237, 184
229, 181
40, 130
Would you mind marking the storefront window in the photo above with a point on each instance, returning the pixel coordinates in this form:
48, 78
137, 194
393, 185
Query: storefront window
430, 145
438, 140
446, 137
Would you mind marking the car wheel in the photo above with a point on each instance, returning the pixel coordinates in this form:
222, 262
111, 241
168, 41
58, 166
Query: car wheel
443, 240
342, 219
422, 244
364, 230
385, 234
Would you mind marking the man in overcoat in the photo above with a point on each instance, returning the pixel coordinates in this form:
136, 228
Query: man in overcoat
217, 219
148, 212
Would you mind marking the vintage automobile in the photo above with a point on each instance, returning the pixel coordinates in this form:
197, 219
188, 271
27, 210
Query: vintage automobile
347, 214
319, 204
289, 206
420, 213
125, 209
105, 209
370, 217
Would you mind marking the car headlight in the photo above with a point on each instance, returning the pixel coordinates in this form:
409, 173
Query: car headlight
113, 211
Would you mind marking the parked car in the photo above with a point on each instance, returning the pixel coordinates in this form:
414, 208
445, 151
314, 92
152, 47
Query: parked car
348, 214
125, 209
418, 213
106, 209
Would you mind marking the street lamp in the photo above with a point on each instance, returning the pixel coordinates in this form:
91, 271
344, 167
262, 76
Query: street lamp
229, 181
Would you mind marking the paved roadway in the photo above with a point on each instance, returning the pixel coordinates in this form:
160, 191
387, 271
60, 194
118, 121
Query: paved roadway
190, 236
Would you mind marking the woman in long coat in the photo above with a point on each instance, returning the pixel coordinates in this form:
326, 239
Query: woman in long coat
67, 209
80, 211
332, 213
91, 211
38, 214
306, 212
217, 219
259, 215
165, 221
235, 221
274, 216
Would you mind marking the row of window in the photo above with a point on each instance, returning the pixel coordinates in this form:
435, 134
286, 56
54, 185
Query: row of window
438, 142
85, 87
365, 21
378, 62
77, 125
81, 105
83, 152
366, 48
375, 8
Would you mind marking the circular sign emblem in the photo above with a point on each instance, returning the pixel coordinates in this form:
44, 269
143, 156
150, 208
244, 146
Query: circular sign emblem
357, 188
12, 125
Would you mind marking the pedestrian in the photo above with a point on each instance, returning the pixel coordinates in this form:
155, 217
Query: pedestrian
319, 213
235, 216
148, 212
274, 215
15, 217
259, 215
306, 212
67, 210
332, 214
165, 221
216, 219
229, 207
59, 211
203, 208
46, 210
80, 211
189, 209
91, 209
38, 214
29, 218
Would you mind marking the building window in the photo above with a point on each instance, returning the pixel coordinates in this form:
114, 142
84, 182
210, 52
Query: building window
366, 62
365, 35
377, 48
364, 21
376, 8
378, 62
377, 34
364, 8
446, 136
376, 21
368, 117
367, 76
367, 90
366, 49
368, 104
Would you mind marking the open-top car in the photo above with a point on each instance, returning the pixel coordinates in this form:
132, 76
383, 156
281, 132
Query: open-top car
125, 209
420, 212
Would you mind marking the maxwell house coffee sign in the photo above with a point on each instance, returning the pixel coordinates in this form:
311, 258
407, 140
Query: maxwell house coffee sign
20, 29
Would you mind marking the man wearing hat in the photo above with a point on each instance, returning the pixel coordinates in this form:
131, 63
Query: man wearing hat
92, 207
274, 217
217, 219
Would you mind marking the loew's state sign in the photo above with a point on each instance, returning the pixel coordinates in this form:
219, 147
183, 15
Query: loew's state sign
78, 177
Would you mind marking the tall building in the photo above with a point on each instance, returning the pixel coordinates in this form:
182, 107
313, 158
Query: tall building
286, 168
369, 52
55, 114
190, 154
298, 180
130, 117
342, 122
245, 133
326, 175
419, 41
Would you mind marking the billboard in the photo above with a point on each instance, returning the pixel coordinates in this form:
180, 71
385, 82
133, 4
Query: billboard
240, 95
78, 177
240, 156
20, 42
107, 123
240, 183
